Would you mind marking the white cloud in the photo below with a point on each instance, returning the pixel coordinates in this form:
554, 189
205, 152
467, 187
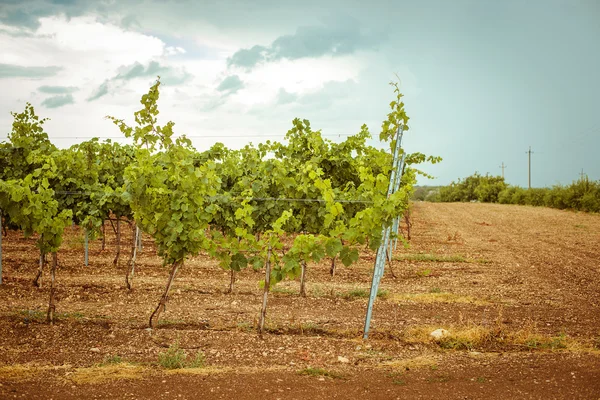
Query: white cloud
264, 83
91, 52
88, 51
174, 50
86, 34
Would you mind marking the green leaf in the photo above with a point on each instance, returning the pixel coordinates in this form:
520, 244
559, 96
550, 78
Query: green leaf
333, 246
238, 261
349, 256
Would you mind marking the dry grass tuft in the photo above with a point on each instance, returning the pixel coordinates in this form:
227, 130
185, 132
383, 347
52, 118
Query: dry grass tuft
101, 374
471, 336
529, 338
224, 370
458, 338
433, 258
19, 372
200, 371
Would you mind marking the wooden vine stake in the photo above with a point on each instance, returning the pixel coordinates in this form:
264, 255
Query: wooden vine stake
116, 260
37, 281
231, 280
263, 311
162, 304
51, 305
303, 279
131, 267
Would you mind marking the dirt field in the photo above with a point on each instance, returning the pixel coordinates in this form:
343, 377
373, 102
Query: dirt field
517, 289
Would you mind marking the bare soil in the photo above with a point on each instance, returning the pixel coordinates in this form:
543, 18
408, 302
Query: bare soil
518, 286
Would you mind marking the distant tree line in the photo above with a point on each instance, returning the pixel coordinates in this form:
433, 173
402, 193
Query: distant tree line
582, 194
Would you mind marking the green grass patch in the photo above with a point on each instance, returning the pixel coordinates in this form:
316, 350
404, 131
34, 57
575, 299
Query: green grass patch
364, 294
431, 258
76, 242
456, 258
439, 379
310, 371
40, 316
244, 326
176, 358
549, 343
283, 290
424, 273
114, 359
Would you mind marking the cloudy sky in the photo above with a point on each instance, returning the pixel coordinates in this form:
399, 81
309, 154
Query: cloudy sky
483, 80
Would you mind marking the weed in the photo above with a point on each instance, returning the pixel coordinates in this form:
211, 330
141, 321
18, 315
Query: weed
435, 290
310, 371
116, 359
173, 358
310, 327
432, 258
198, 361
456, 258
439, 378
176, 358
424, 273
244, 326
435, 296
32, 315
75, 315
317, 291
481, 379
551, 343
356, 293
363, 293
282, 290
77, 242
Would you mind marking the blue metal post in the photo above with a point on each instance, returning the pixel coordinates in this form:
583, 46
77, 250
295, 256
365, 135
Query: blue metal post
398, 180
382, 251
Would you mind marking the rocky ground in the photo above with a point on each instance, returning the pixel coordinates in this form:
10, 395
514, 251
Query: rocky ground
516, 289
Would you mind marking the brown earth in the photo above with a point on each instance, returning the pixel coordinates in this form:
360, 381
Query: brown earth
518, 289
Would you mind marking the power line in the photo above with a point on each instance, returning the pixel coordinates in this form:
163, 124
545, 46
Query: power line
529, 165
222, 198
502, 166
194, 136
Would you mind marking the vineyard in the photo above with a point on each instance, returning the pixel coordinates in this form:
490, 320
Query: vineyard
237, 206
156, 270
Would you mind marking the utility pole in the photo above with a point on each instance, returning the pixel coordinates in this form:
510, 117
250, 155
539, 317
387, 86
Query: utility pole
503, 166
529, 152
581, 174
